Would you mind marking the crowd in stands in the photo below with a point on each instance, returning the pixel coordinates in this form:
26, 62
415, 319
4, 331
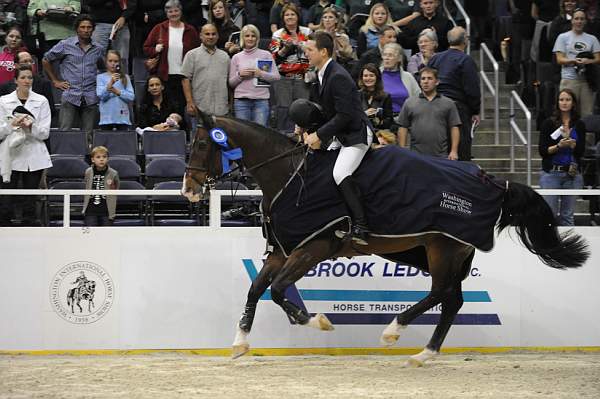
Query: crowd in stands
149, 65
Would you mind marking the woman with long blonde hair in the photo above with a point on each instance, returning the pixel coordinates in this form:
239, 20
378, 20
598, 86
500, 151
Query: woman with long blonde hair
331, 22
368, 36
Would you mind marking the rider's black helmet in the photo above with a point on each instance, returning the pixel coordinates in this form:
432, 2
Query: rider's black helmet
307, 114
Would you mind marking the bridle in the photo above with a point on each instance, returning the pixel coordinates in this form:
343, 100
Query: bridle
212, 180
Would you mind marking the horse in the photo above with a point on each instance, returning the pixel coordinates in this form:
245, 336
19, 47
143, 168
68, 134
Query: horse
84, 292
271, 158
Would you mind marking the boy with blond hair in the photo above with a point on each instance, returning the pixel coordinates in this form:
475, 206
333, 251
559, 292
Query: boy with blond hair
99, 210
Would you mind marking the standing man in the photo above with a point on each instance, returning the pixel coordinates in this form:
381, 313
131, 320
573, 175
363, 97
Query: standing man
459, 81
430, 18
429, 117
205, 70
347, 125
79, 59
112, 24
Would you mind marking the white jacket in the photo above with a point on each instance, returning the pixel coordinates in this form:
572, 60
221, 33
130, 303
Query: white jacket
32, 155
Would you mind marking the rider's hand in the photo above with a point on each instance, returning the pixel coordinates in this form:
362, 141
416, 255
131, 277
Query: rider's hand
312, 140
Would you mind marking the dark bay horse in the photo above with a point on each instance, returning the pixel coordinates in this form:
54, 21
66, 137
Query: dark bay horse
272, 158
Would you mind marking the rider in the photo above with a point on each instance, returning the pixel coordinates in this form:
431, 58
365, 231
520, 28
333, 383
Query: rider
81, 280
347, 125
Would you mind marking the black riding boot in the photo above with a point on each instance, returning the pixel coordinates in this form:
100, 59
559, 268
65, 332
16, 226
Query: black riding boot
351, 194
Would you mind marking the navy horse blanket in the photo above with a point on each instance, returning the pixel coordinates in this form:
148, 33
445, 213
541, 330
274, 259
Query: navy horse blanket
404, 193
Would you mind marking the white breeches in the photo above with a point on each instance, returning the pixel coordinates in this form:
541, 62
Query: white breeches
349, 159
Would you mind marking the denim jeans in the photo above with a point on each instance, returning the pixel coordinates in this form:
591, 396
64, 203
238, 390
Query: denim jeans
120, 41
255, 110
563, 206
89, 116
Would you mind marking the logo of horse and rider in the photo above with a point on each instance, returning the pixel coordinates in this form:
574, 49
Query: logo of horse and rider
81, 292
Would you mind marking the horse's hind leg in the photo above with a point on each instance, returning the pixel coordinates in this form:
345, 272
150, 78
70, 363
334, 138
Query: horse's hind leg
272, 266
296, 266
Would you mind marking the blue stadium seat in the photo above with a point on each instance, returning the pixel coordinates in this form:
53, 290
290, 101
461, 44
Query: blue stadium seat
160, 144
127, 168
68, 142
119, 143
66, 168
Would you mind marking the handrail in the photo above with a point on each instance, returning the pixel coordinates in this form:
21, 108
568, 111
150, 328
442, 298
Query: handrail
494, 90
462, 11
514, 128
215, 198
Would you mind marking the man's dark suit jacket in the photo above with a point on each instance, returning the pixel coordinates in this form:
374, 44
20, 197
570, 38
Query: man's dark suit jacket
40, 86
341, 103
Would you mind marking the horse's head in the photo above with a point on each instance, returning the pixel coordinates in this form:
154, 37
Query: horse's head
203, 165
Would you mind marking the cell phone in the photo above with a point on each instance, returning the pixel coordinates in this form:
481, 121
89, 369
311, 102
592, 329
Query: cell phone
235, 38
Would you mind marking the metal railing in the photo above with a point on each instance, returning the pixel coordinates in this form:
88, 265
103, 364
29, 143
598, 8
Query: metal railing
462, 12
493, 89
514, 128
214, 202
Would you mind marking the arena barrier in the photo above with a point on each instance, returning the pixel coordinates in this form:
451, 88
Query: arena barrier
184, 288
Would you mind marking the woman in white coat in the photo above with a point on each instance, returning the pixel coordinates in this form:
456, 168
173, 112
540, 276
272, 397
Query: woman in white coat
22, 132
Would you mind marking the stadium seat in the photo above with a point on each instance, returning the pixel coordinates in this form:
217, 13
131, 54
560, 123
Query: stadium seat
66, 168
54, 203
164, 169
127, 168
68, 142
172, 210
131, 210
238, 211
164, 144
119, 143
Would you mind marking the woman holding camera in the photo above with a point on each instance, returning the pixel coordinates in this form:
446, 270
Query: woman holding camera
561, 145
376, 103
115, 91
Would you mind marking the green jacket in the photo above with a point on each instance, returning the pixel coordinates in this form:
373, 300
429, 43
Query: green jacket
52, 30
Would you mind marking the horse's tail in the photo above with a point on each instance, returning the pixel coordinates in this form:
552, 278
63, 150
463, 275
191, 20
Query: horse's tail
70, 296
536, 227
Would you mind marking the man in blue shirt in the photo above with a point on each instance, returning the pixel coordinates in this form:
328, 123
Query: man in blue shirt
79, 60
459, 81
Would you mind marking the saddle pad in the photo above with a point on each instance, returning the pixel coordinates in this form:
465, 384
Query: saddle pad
404, 193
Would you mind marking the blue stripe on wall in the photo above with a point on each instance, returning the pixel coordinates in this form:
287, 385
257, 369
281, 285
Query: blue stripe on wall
383, 296
489, 319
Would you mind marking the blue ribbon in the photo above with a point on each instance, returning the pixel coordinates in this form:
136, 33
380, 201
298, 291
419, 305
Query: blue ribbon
227, 155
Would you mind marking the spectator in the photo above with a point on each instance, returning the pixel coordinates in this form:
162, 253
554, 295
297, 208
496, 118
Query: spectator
26, 158
368, 36
430, 18
562, 23
14, 44
276, 16
387, 35
79, 58
574, 50
522, 26
156, 105
315, 12
173, 122
101, 210
427, 43
205, 72
331, 21
286, 47
459, 81
376, 103
384, 138
358, 11
115, 91
53, 26
13, 13
170, 41
41, 85
479, 12
397, 82
403, 11
543, 12
219, 16
250, 72
561, 145
112, 25
193, 13
148, 14
429, 117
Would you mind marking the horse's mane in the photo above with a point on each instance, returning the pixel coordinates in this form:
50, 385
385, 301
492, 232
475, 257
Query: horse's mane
266, 137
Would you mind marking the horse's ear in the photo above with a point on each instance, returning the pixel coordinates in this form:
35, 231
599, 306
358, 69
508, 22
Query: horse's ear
207, 120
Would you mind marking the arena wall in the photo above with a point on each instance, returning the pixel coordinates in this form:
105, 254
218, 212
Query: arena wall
176, 288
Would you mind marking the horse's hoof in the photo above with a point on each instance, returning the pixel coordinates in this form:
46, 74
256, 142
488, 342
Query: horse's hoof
320, 322
413, 363
419, 359
390, 335
239, 350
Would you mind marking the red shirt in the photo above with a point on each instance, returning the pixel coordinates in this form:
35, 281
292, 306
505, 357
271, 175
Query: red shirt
7, 64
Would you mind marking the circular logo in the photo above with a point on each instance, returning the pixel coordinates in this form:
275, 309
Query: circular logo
218, 136
82, 292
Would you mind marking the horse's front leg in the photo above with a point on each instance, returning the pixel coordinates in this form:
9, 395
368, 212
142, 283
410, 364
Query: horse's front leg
272, 266
296, 266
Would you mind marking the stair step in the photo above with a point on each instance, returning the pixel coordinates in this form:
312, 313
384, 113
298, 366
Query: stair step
493, 151
503, 164
488, 137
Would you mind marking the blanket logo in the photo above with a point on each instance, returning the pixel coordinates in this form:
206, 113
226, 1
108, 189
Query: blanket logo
456, 203
81, 292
